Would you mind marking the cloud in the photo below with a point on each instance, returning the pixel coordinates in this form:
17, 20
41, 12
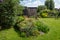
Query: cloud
57, 3
32, 3
35, 3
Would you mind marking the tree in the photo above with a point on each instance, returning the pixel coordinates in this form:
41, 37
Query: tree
49, 4
41, 7
20, 10
8, 12
59, 12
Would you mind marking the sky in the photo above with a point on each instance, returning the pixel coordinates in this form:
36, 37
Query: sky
36, 3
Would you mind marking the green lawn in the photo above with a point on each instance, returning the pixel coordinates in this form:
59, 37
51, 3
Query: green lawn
53, 34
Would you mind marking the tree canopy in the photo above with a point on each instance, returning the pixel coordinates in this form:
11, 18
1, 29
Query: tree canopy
8, 12
49, 4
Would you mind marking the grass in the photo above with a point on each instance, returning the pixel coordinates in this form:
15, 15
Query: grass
53, 34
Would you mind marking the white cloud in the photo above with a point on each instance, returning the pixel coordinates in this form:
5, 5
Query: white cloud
31, 3
35, 3
57, 3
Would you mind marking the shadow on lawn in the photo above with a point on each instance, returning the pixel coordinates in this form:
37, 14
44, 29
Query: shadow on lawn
4, 27
17, 29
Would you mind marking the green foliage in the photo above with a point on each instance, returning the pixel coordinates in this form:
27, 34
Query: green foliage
7, 15
44, 13
49, 4
52, 5
8, 12
31, 28
42, 27
53, 13
48, 13
54, 33
47, 10
20, 10
59, 12
28, 28
20, 19
23, 34
41, 7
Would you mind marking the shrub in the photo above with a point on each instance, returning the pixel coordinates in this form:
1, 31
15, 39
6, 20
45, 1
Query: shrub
44, 13
27, 28
8, 13
48, 13
31, 28
42, 27
20, 19
53, 13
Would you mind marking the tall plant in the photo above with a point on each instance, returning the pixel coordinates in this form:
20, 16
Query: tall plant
8, 11
49, 4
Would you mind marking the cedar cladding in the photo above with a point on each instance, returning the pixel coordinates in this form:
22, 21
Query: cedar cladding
30, 11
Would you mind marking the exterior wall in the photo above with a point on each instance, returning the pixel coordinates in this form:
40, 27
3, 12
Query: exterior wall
31, 11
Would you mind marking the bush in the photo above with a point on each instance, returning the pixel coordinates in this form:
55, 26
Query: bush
20, 19
42, 27
8, 13
31, 28
48, 13
44, 13
53, 13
